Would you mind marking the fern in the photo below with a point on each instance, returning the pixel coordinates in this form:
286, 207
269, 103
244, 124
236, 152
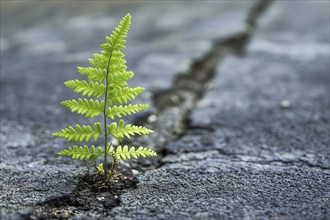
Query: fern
107, 80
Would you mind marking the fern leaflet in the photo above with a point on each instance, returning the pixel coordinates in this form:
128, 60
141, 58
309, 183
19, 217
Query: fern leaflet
124, 95
82, 152
120, 130
89, 108
124, 153
97, 74
99, 167
81, 133
86, 88
125, 110
118, 79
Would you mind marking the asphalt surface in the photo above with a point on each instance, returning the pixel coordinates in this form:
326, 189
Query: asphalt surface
254, 145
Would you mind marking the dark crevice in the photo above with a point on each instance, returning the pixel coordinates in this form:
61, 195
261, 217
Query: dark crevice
256, 12
201, 72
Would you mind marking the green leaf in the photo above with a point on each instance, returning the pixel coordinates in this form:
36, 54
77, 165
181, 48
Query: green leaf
81, 133
122, 96
110, 149
100, 168
124, 153
89, 108
86, 88
118, 79
82, 153
125, 110
97, 74
120, 131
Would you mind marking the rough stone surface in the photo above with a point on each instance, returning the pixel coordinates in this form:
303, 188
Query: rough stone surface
247, 116
257, 143
274, 102
41, 45
213, 188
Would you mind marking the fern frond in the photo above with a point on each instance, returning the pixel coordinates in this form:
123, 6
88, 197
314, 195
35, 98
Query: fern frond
107, 78
82, 152
93, 73
121, 111
81, 133
89, 108
120, 130
120, 96
111, 49
124, 153
86, 88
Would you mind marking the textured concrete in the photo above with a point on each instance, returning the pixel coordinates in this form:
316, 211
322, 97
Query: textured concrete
214, 188
256, 145
258, 142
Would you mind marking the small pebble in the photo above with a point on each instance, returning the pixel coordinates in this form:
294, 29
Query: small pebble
114, 142
135, 172
175, 99
285, 104
152, 118
100, 198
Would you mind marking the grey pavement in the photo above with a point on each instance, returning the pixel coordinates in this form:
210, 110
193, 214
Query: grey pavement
255, 146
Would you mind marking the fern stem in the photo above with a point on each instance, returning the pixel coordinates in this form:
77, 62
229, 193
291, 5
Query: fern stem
105, 117
105, 121
105, 127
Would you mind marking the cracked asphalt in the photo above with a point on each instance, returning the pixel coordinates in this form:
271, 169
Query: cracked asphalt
255, 144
